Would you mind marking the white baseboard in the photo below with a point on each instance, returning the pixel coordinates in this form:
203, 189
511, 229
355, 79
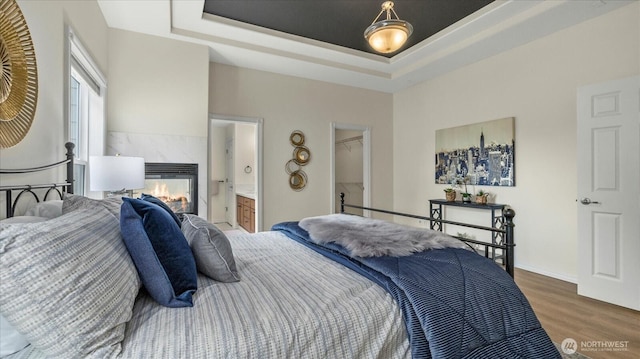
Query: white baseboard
562, 277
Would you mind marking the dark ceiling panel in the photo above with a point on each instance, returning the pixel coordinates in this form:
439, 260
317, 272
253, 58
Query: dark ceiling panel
342, 22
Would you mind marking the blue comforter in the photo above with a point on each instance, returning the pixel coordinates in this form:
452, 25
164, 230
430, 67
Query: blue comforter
456, 304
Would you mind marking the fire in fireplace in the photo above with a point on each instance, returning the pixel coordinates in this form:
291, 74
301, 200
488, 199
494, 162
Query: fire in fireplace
176, 184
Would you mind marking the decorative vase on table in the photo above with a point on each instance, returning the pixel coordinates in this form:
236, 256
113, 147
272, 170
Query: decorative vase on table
466, 197
450, 195
481, 197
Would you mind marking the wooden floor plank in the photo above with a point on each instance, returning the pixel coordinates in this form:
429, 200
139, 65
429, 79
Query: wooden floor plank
565, 314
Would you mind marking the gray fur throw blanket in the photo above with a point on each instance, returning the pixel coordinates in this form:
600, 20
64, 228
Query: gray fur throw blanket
368, 237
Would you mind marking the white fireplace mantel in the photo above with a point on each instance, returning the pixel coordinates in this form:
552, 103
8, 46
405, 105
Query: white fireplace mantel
165, 148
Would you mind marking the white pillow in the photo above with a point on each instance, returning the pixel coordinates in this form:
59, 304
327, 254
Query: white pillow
47, 209
11, 341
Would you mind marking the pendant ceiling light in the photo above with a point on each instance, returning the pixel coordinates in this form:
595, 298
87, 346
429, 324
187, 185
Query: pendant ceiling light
388, 35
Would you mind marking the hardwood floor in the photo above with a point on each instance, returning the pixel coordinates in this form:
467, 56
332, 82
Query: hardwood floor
565, 314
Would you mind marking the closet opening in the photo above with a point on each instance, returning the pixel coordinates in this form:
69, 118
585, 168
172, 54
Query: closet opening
350, 165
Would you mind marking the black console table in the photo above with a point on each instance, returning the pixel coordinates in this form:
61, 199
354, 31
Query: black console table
497, 217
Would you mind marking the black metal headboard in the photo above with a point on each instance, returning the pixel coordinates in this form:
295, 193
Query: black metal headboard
507, 231
66, 187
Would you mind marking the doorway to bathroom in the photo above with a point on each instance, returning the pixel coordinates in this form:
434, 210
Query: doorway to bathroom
350, 165
235, 162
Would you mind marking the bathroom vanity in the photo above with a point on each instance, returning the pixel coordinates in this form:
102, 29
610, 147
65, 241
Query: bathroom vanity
246, 213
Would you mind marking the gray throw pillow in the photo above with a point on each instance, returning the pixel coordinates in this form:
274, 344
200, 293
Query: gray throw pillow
211, 249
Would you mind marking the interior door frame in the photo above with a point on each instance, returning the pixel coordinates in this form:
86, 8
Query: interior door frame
258, 122
366, 163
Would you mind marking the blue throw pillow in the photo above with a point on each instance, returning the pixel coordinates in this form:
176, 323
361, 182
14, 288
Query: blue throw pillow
154, 200
160, 252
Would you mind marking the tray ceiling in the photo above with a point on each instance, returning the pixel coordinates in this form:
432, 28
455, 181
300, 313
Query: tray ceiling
343, 23
323, 40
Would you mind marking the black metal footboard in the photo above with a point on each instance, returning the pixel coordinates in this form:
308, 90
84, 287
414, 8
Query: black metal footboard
27, 189
507, 246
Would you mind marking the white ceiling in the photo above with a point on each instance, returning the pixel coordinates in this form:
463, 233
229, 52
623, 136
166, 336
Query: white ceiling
498, 27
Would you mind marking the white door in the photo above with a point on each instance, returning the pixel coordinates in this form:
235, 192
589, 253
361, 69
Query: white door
609, 192
230, 198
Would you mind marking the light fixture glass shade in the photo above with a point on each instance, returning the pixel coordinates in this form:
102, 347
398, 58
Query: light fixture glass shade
116, 173
388, 35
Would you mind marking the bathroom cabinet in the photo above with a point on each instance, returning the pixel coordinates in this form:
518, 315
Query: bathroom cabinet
246, 213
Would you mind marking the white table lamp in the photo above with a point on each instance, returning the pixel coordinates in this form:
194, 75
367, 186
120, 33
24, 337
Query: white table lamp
116, 174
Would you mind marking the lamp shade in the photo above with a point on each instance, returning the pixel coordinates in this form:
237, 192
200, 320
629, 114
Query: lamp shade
116, 173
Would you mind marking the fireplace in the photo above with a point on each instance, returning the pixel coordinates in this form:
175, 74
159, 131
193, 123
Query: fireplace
176, 184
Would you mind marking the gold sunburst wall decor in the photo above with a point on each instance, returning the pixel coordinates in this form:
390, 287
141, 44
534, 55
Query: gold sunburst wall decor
18, 75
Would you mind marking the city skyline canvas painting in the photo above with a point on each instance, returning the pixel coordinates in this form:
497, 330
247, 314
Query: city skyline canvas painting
482, 153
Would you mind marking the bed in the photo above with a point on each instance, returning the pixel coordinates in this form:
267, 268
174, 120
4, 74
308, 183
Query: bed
77, 283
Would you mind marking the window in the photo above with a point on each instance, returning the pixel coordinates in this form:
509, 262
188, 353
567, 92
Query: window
86, 112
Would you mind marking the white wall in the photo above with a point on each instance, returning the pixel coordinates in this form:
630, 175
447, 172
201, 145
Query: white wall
157, 85
288, 103
44, 143
536, 83
245, 155
158, 94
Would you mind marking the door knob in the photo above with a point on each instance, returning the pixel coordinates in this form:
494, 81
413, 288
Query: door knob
587, 201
